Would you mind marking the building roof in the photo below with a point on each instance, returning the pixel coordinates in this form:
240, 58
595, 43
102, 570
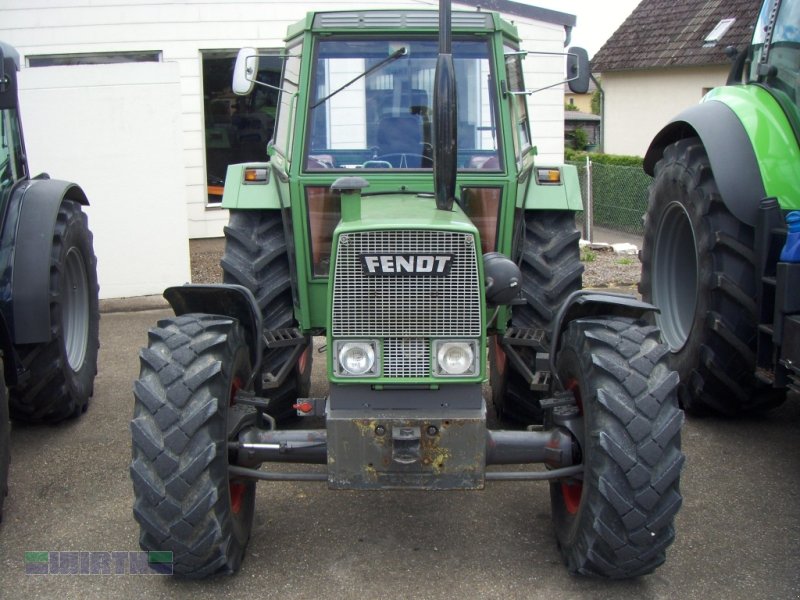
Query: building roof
674, 33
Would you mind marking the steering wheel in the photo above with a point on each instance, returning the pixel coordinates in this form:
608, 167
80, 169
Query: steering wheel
387, 161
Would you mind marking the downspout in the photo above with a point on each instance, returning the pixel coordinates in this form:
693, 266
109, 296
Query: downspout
602, 112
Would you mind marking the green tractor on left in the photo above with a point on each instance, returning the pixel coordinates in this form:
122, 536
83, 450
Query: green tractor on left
49, 319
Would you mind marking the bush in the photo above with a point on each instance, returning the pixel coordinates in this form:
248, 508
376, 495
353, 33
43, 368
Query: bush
620, 160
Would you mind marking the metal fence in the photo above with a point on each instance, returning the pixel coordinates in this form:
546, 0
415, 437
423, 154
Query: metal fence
614, 197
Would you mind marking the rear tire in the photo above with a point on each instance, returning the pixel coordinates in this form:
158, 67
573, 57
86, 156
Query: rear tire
62, 371
256, 256
616, 519
5, 441
184, 499
551, 271
698, 267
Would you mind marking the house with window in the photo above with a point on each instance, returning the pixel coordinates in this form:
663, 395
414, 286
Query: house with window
664, 57
132, 99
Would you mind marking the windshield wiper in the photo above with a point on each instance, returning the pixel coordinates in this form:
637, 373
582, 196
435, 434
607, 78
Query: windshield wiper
393, 56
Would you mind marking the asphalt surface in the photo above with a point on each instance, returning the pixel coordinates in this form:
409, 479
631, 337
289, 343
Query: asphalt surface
738, 534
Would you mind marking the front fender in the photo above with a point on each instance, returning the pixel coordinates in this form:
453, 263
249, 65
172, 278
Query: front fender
587, 303
228, 300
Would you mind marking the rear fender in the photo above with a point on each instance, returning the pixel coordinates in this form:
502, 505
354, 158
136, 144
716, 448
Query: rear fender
240, 194
565, 195
228, 300
28, 229
729, 149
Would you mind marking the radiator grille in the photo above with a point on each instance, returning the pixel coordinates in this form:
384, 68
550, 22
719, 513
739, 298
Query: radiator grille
406, 311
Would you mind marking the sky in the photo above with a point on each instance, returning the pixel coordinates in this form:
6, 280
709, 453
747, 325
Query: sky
597, 19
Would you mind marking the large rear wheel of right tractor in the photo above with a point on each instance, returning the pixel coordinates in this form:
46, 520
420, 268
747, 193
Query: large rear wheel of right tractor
551, 271
185, 500
698, 268
256, 256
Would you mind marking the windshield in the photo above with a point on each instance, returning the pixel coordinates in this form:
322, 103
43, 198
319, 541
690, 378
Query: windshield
372, 105
782, 68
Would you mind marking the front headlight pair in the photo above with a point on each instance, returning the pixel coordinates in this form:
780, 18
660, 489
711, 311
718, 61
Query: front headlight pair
361, 358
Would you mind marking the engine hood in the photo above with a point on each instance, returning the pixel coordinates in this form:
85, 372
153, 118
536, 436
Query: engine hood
406, 211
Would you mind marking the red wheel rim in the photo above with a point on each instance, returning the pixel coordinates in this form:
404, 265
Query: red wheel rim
572, 491
499, 356
302, 362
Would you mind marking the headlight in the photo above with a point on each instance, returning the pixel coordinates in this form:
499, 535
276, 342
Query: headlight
457, 358
356, 359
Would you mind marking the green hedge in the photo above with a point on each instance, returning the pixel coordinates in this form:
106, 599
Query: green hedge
620, 160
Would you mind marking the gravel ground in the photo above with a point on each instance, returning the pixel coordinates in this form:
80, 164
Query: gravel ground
603, 267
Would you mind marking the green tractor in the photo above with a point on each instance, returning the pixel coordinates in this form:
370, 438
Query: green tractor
401, 215
49, 318
726, 175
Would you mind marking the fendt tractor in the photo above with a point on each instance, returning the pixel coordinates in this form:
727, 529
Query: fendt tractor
49, 316
402, 216
716, 257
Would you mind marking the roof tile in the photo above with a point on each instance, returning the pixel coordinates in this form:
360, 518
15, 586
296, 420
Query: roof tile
670, 33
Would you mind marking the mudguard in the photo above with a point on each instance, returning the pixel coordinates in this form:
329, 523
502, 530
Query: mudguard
242, 195
565, 195
729, 149
30, 221
587, 303
228, 300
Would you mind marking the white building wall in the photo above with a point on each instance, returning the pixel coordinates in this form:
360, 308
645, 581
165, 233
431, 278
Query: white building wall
639, 103
115, 130
180, 30
546, 107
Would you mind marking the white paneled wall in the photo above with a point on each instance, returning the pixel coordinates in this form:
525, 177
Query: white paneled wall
180, 30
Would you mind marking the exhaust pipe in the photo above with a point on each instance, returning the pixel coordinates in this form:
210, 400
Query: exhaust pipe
445, 115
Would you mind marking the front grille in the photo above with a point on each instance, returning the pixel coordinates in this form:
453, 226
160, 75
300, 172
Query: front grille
406, 312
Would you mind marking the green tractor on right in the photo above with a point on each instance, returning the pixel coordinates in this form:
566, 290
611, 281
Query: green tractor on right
721, 251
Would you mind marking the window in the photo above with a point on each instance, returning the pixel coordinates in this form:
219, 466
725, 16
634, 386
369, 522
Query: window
782, 69
237, 128
521, 132
12, 167
288, 98
93, 58
716, 34
373, 102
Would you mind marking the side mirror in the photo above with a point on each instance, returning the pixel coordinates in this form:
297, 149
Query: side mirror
245, 71
578, 70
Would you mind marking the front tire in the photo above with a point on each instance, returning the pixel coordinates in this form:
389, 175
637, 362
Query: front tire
616, 520
551, 271
698, 268
62, 371
184, 499
256, 256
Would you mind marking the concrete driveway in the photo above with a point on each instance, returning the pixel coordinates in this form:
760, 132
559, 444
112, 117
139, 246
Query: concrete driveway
738, 534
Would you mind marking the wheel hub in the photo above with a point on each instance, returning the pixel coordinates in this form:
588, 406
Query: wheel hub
675, 276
